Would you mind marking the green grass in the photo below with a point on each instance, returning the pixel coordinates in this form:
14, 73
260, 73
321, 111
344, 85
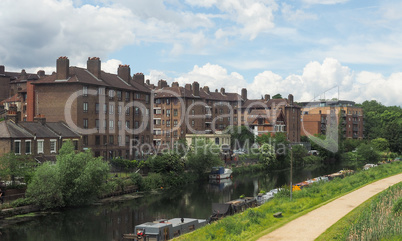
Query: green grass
372, 220
254, 223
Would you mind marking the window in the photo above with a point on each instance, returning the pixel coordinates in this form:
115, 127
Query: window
192, 123
136, 124
127, 96
28, 147
97, 140
157, 122
104, 124
127, 140
104, 140
17, 147
167, 101
157, 111
53, 145
101, 91
96, 108
220, 111
75, 143
147, 112
137, 96
40, 146
147, 99
111, 94
111, 139
128, 124
175, 133
192, 112
85, 90
111, 109
97, 124
175, 123
119, 141
111, 125
168, 123
105, 108
167, 113
136, 111
85, 107
127, 110
175, 112
119, 95
85, 123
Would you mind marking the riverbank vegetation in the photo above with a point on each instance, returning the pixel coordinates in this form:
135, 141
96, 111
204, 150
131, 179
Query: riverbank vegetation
379, 218
253, 223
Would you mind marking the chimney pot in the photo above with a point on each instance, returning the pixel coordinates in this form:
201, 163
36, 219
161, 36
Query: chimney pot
124, 72
222, 91
244, 94
94, 66
196, 89
2, 70
267, 97
62, 68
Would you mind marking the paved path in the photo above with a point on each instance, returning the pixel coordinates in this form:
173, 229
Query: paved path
314, 223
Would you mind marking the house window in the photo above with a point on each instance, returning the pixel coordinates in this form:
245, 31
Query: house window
175, 112
127, 140
119, 95
137, 96
111, 109
28, 147
175, 123
192, 112
192, 123
75, 143
40, 146
111, 125
136, 111
167, 113
111, 94
97, 124
96, 108
127, 110
128, 124
85, 123
85, 107
17, 147
53, 145
147, 99
97, 140
85, 90
101, 91
147, 112
167, 101
104, 124
136, 124
127, 96
111, 139
168, 123
105, 108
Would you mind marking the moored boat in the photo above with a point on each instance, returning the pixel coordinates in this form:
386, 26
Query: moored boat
218, 173
164, 229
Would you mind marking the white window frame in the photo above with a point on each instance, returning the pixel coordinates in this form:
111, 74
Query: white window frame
41, 150
30, 147
19, 144
55, 145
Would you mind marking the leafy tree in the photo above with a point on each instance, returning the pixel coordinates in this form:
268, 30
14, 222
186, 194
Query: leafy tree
16, 166
277, 96
351, 144
281, 146
203, 156
180, 147
240, 136
267, 156
299, 152
368, 154
169, 162
80, 179
380, 144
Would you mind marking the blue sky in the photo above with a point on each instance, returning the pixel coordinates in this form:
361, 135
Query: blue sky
303, 47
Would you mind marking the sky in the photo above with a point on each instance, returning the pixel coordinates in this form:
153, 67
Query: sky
313, 49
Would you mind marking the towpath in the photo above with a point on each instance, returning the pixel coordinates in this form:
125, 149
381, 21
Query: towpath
314, 223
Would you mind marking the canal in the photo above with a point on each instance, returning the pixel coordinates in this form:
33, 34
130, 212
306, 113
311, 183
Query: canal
110, 221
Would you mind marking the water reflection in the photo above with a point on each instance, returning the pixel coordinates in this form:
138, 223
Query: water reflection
111, 221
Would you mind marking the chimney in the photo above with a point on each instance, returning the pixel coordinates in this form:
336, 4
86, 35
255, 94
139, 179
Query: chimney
216, 90
206, 89
290, 99
40, 119
148, 82
94, 66
124, 72
196, 89
12, 115
222, 91
162, 83
267, 97
139, 78
175, 84
41, 73
244, 94
2, 70
62, 68
30, 101
23, 75
187, 86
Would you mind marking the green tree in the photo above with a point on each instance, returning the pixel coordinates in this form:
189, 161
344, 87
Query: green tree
169, 162
368, 154
380, 144
267, 156
203, 156
13, 166
241, 137
299, 152
277, 96
81, 178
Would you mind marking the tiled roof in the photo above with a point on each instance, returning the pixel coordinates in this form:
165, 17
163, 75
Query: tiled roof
38, 129
8, 129
183, 92
62, 129
14, 98
81, 75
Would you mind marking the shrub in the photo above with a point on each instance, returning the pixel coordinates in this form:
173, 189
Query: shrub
397, 208
153, 181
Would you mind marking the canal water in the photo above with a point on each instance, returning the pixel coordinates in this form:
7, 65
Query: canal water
110, 221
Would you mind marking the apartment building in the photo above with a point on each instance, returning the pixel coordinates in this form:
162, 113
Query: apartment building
110, 111
184, 112
317, 116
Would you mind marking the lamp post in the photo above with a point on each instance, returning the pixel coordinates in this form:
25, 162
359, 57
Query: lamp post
291, 172
106, 152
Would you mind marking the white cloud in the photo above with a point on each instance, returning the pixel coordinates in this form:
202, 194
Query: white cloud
329, 2
296, 15
111, 66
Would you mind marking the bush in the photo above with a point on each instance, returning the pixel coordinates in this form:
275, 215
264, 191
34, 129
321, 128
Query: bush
138, 180
153, 181
21, 202
397, 208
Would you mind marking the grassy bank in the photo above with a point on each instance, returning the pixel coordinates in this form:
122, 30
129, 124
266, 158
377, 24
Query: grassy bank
379, 218
254, 223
